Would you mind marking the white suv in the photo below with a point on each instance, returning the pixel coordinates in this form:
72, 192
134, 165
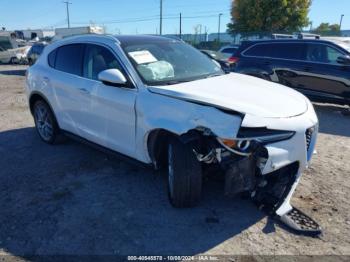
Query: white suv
164, 103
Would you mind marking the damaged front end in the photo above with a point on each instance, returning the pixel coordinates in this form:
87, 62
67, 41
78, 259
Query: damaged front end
243, 161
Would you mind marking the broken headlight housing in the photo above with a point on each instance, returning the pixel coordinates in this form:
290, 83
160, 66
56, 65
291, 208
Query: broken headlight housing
249, 139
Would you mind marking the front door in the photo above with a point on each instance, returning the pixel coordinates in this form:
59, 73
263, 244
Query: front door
110, 120
323, 75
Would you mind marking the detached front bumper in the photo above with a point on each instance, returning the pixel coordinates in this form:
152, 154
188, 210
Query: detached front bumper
282, 170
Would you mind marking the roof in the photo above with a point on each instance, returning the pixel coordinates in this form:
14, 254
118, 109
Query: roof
130, 39
285, 40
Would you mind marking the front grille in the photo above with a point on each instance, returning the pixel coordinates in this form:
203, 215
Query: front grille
308, 136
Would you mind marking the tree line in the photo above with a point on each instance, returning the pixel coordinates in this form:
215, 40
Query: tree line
255, 17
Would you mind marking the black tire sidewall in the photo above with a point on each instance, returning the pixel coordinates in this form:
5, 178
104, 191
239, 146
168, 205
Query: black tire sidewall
187, 173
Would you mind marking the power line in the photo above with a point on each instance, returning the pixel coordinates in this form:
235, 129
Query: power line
144, 19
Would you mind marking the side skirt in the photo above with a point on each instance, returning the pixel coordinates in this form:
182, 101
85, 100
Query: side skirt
107, 150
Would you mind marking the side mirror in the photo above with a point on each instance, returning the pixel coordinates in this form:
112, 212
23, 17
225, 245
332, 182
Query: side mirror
112, 77
344, 60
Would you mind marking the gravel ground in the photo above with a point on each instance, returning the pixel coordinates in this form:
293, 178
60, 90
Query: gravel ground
72, 199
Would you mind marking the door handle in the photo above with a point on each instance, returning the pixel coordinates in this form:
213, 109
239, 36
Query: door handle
307, 69
45, 78
84, 90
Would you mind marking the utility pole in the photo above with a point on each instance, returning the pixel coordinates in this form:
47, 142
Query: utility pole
206, 34
161, 18
341, 21
180, 26
67, 7
219, 27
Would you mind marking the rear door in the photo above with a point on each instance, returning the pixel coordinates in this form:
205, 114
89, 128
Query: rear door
287, 62
68, 86
323, 75
6, 55
276, 61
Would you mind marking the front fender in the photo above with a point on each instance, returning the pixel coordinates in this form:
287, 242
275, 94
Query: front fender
177, 116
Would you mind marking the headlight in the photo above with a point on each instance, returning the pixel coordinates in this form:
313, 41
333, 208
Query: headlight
239, 147
247, 140
264, 135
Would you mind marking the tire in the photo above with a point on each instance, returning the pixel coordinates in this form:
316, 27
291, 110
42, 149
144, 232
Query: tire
45, 122
13, 61
184, 175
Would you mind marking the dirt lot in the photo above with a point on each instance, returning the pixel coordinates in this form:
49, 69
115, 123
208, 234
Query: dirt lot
71, 199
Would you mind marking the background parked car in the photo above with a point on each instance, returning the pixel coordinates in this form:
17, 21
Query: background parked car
229, 52
218, 57
12, 51
317, 68
34, 52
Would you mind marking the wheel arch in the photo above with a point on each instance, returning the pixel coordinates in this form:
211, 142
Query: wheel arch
157, 141
36, 96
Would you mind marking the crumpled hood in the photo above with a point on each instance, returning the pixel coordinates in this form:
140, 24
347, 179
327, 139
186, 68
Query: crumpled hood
241, 93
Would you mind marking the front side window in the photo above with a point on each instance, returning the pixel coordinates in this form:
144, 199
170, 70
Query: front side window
169, 62
322, 54
98, 59
69, 59
333, 54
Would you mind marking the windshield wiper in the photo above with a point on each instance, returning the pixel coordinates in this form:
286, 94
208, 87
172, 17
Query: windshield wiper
174, 82
213, 75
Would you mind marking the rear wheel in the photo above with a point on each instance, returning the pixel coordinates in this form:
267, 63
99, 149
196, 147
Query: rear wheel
184, 175
45, 122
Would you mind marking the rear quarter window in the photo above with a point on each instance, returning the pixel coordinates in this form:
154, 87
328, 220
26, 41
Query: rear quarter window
52, 58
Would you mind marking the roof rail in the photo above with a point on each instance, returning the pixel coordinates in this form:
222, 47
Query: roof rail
281, 36
308, 35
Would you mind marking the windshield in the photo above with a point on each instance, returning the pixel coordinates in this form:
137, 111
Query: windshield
345, 45
169, 62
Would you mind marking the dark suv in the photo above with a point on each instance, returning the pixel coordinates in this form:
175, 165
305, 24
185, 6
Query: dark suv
317, 68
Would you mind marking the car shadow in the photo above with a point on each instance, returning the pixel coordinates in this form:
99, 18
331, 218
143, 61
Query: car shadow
72, 199
332, 119
15, 72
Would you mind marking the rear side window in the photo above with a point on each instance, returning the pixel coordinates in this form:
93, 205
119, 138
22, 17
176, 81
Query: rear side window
292, 51
259, 50
69, 59
230, 51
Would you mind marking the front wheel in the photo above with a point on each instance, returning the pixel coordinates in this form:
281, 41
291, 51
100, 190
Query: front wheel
45, 122
12, 61
184, 175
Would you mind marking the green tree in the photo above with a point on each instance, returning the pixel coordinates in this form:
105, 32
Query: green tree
327, 29
273, 16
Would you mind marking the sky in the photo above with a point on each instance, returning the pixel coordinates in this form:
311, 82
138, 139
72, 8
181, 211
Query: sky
142, 16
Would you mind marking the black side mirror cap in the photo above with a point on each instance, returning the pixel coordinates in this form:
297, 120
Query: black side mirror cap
344, 60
